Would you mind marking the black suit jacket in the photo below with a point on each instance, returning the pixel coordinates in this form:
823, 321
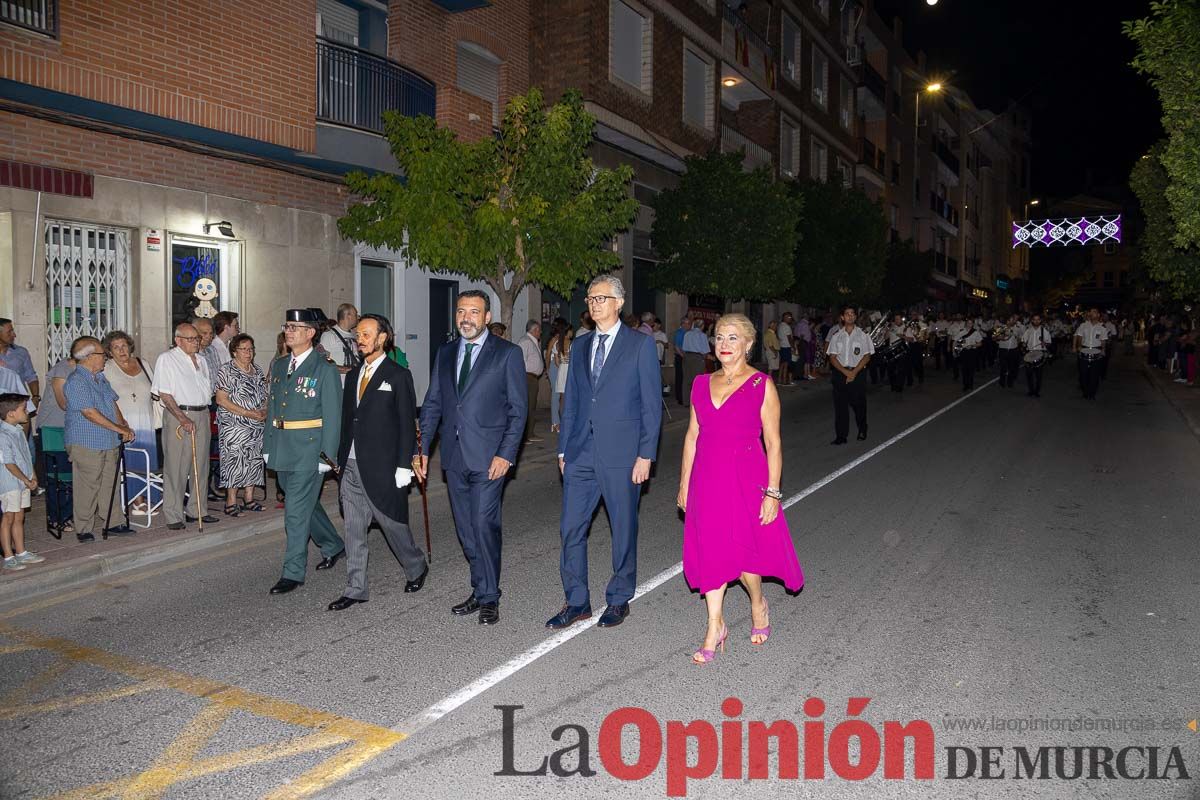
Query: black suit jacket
383, 428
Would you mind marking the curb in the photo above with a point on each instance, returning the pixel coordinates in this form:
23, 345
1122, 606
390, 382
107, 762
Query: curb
1149, 374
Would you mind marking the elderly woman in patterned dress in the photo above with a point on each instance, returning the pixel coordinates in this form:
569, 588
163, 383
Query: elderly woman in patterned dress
241, 411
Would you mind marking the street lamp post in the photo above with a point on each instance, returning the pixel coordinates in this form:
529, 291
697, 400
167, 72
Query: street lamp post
1025, 256
932, 88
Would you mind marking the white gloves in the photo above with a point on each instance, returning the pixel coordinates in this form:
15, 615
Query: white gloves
322, 467
403, 477
265, 457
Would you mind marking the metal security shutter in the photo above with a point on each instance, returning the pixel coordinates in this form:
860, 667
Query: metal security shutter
87, 283
337, 22
479, 74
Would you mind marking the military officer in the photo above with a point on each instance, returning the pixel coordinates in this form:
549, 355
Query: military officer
302, 435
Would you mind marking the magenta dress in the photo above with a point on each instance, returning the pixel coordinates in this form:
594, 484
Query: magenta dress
722, 537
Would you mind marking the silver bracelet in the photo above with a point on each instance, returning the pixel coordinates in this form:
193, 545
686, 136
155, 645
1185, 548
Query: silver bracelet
773, 493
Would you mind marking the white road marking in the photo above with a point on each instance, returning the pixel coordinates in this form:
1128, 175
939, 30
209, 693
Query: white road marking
480, 685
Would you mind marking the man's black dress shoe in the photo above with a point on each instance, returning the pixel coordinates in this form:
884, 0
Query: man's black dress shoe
175, 526
343, 602
207, 519
838, 440
285, 585
568, 616
468, 606
415, 585
489, 613
328, 562
85, 537
614, 615
862, 435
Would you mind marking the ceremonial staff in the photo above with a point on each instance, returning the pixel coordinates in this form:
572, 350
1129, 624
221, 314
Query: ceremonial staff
424, 502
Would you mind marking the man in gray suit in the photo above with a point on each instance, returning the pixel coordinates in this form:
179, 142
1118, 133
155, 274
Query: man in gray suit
379, 413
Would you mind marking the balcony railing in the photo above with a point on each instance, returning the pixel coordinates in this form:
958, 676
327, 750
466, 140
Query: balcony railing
942, 151
754, 155
731, 15
944, 209
40, 16
874, 81
355, 87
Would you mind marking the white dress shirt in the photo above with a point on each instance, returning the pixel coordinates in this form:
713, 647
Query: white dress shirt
222, 350
188, 382
367, 372
850, 348
1092, 336
531, 349
476, 349
611, 333
1036, 339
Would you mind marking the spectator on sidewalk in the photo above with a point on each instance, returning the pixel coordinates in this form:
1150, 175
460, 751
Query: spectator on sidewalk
17, 481
339, 341
16, 358
695, 351
241, 422
531, 350
182, 380
677, 349
204, 327
771, 348
52, 415
647, 326
131, 380
226, 325
660, 341
95, 429
784, 332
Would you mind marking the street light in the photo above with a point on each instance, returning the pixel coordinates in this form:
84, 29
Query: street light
932, 88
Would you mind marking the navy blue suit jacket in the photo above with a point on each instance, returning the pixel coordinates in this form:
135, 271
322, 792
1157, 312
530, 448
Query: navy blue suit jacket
488, 418
623, 410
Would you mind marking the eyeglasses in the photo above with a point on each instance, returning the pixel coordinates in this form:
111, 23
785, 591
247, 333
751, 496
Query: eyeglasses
597, 299
189, 338
245, 350
290, 328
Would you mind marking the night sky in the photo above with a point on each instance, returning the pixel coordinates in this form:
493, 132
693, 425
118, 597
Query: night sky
1067, 60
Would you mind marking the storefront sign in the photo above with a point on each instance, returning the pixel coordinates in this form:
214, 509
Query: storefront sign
154, 240
192, 262
1001, 284
979, 294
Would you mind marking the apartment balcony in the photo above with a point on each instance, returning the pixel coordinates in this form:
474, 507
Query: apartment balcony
39, 16
945, 210
875, 159
871, 93
747, 49
755, 155
355, 87
942, 150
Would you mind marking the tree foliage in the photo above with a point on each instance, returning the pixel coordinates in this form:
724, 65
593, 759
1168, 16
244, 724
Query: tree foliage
524, 207
905, 276
842, 245
1168, 43
724, 231
1177, 268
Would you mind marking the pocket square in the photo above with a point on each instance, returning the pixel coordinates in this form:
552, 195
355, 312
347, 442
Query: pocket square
385, 387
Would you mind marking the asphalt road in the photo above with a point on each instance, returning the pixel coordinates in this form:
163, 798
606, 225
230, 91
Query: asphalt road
1010, 564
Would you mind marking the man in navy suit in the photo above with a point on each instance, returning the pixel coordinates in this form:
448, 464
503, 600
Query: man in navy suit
609, 437
477, 398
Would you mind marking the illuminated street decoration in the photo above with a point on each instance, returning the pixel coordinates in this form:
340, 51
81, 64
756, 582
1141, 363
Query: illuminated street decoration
1096, 229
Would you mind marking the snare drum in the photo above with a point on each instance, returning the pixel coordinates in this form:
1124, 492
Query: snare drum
1035, 358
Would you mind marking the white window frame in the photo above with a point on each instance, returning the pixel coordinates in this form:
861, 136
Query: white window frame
820, 92
645, 89
797, 49
792, 150
845, 171
818, 160
710, 93
473, 82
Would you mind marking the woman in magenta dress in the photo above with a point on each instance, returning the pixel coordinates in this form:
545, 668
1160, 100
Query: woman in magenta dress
729, 488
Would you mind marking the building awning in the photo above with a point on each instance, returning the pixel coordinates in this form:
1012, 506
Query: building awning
646, 152
455, 6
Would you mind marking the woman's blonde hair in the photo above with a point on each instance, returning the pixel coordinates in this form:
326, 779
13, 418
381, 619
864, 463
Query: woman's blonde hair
745, 327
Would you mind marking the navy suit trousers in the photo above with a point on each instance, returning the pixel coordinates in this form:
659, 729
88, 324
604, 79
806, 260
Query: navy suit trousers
585, 482
475, 503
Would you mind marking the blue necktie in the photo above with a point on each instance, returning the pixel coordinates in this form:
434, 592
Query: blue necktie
598, 359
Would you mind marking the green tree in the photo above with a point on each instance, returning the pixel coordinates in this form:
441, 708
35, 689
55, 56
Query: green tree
724, 231
526, 206
840, 253
905, 276
1168, 43
1177, 268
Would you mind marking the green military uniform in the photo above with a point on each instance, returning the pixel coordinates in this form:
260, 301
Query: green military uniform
310, 398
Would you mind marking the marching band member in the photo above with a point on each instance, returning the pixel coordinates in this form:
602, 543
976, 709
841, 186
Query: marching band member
898, 364
849, 351
971, 343
1037, 341
940, 343
1009, 351
916, 350
1090, 338
987, 353
954, 331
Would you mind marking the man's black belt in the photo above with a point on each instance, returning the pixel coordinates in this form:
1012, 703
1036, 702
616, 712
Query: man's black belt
193, 408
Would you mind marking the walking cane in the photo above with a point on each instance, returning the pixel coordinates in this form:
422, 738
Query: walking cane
424, 504
125, 528
196, 482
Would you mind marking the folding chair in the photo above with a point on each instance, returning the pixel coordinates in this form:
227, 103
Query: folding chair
146, 485
59, 490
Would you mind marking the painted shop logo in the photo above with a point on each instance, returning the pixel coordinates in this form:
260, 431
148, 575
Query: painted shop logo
632, 744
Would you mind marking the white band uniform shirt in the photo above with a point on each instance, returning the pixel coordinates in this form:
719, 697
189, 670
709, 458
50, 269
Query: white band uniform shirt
895, 333
1092, 336
189, 383
850, 348
1014, 337
1036, 339
972, 339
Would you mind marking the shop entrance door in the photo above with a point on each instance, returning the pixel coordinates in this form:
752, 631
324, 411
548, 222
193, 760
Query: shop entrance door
443, 295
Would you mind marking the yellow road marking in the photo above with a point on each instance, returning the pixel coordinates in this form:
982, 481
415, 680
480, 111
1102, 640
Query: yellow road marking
330, 771
75, 700
179, 753
38, 681
14, 648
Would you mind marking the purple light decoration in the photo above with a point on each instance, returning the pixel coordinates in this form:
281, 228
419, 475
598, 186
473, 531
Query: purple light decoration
1066, 231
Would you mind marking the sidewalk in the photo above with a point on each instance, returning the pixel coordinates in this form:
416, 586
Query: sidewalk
1185, 399
70, 563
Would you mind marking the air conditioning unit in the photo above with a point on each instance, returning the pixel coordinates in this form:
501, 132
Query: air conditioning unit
853, 55
818, 95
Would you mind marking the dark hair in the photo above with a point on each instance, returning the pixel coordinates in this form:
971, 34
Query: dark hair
847, 307
385, 327
238, 341
10, 401
479, 295
222, 320
497, 329
5, 321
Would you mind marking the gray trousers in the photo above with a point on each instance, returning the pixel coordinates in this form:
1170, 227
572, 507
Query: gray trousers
177, 465
93, 474
359, 511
